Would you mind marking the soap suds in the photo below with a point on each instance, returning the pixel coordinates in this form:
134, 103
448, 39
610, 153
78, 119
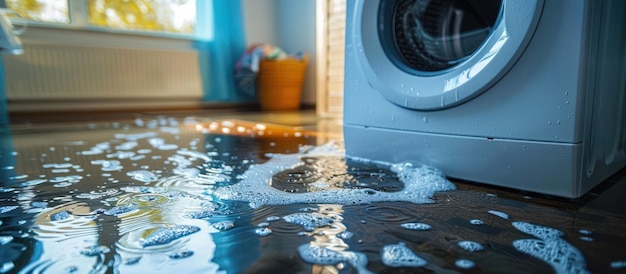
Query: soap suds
420, 183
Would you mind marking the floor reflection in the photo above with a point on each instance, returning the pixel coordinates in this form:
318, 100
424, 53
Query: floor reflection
158, 193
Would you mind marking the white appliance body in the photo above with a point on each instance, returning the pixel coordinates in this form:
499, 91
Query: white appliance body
537, 104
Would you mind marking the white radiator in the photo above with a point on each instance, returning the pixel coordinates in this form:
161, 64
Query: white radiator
59, 73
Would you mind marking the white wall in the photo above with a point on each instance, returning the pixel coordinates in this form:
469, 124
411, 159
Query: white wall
289, 24
296, 31
260, 21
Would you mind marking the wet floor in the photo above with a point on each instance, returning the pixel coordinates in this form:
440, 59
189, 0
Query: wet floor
158, 194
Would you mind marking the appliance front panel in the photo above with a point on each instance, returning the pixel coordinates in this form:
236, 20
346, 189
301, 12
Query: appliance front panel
537, 99
418, 56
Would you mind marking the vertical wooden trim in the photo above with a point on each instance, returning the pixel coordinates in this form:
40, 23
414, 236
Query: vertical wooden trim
321, 51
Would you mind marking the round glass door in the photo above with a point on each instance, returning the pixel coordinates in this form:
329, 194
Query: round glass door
434, 35
436, 54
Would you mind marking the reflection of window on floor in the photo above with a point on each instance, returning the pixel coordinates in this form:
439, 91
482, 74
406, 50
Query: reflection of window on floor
171, 16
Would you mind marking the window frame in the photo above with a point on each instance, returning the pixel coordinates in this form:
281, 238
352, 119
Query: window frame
78, 21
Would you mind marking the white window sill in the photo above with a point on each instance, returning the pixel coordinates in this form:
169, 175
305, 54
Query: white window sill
37, 24
60, 35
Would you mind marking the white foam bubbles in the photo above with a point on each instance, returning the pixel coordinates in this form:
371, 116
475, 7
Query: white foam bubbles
320, 255
399, 255
5, 239
464, 263
127, 145
345, 235
476, 222
33, 182
420, 183
121, 155
499, 214
19, 177
550, 248
416, 226
135, 136
170, 130
470, 246
5, 209
55, 165
541, 232
143, 176
272, 218
160, 144
309, 221
618, 264
165, 235
112, 165
223, 225
262, 231
97, 149
6, 267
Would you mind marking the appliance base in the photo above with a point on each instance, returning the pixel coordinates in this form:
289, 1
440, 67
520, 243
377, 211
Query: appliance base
549, 168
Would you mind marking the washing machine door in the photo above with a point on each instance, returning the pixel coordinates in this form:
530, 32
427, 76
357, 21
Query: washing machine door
437, 54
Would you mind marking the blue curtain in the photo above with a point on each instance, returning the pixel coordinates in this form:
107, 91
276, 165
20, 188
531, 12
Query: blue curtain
220, 51
6, 142
4, 112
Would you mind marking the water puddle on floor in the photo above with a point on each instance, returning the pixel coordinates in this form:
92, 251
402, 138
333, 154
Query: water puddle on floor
163, 195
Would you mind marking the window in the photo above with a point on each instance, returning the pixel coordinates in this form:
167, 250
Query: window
51, 11
138, 16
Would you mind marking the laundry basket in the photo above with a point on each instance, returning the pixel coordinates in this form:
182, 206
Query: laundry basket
279, 83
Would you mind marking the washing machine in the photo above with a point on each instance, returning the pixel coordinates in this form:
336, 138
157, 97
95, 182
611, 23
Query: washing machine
526, 94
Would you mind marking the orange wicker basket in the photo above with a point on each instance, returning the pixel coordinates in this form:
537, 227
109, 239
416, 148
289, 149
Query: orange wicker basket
279, 83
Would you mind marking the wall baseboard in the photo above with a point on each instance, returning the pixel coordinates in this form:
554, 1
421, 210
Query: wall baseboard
57, 114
